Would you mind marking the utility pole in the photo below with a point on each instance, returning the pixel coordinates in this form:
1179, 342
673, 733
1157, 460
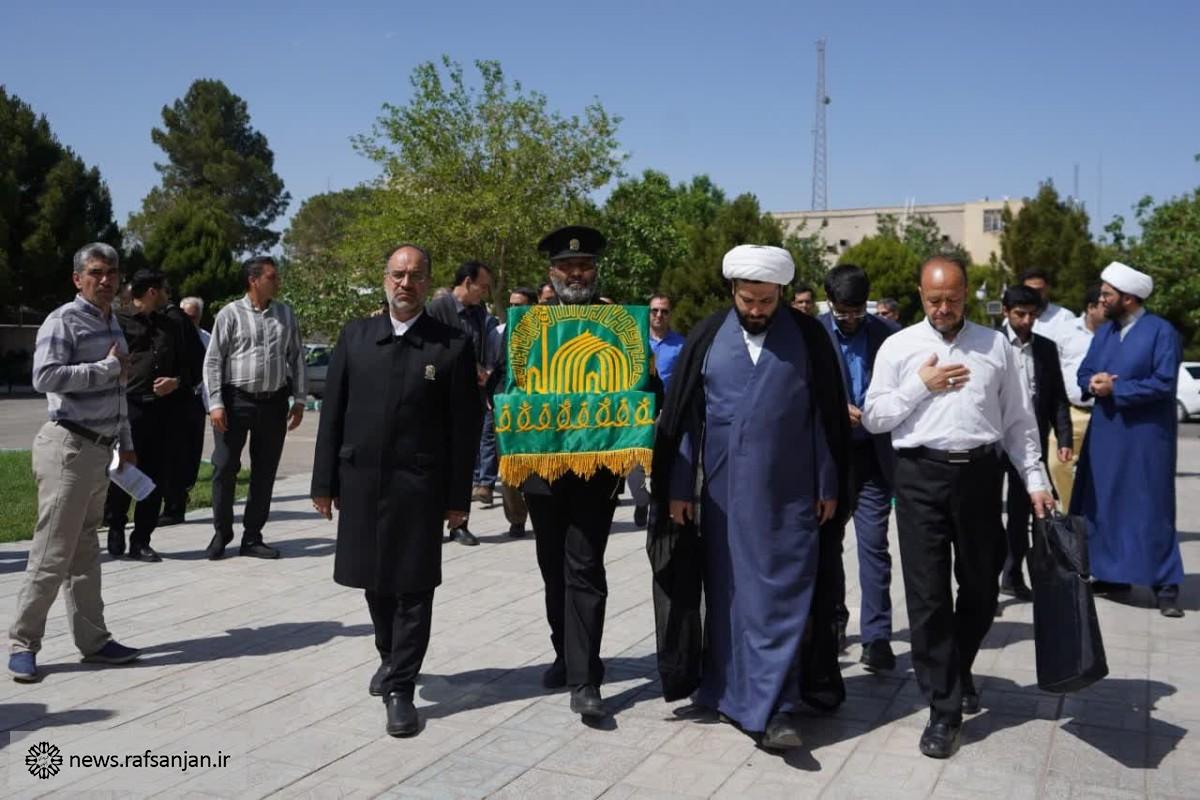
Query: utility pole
820, 165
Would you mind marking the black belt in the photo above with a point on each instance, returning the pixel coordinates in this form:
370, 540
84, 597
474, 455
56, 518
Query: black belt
86, 433
949, 456
259, 395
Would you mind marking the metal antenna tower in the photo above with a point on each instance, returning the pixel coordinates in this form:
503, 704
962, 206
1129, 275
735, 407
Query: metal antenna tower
820, 165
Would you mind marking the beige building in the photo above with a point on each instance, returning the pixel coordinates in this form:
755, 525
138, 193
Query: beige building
975, 225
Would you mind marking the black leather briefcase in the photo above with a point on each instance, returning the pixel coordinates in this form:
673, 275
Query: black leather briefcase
1070, 651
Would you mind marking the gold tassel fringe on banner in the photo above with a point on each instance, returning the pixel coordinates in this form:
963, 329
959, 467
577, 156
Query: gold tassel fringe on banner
514, 469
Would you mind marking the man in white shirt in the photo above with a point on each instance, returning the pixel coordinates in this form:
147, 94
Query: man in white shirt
951, 394
1072, 347
1054, 321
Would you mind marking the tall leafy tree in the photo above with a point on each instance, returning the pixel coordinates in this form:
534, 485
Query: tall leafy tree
319, 283
647, 221
1051, 234
190, 244
478, 172
696, 285
51, 203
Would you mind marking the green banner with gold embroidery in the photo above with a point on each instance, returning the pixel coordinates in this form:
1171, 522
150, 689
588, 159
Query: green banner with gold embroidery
576, 398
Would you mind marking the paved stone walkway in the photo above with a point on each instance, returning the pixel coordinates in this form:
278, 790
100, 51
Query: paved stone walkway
268, 662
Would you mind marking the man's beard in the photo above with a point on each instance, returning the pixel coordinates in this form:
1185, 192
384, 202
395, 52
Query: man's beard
400, 306
573, 295
1113, 312
755, 326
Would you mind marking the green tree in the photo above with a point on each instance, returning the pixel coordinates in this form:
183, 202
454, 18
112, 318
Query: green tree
325, 290
1051, 234
647, 222
51, 204
695, 285
892, 266
190, 244
808, 251
922, 235
478, 173
1169, 251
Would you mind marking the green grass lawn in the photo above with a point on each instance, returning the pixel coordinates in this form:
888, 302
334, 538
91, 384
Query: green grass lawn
18, 494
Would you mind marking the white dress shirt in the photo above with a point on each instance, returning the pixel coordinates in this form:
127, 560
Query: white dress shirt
754, 344
1024, 357
1054, 323
993, 406
401, 328
1071, 351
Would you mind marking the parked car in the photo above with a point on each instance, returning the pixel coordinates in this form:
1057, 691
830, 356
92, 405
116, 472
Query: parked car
316, 361
1187, 394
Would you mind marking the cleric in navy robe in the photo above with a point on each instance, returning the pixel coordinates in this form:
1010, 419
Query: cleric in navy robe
759, 417
1125, 484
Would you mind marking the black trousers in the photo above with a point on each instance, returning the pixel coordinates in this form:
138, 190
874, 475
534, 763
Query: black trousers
571, 528
949, 518
402, 627
154, 438
186, 457
265, 423
1020, 515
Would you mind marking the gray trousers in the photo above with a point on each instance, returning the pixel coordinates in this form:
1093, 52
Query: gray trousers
65, 551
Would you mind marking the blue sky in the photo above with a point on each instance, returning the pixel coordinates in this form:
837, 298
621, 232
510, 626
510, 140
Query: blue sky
939, 102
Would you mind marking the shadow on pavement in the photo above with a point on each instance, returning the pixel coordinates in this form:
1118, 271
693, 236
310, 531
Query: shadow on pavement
33, 717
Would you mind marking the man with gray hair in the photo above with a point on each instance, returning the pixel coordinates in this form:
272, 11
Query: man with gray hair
81, 362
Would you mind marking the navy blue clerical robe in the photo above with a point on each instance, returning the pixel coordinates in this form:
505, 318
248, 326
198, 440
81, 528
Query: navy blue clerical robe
765, 463
1125, 483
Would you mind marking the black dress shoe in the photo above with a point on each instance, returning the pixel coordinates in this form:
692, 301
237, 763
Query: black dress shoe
555, 676
1108, 587
116, 542
641, 515
516, 530
1015, 586
258, 550
970, 702
464, 536
940, 739
143, 552
877, 656
375, 687
586, 702
1169, 607
782, 733
216, 546
402, 719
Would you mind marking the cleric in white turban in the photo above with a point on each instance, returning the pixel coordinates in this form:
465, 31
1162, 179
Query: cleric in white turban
759, 262
1125, 483
762, 382
1128, 280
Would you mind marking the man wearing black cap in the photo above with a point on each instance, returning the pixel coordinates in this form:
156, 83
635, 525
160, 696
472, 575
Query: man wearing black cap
571, 516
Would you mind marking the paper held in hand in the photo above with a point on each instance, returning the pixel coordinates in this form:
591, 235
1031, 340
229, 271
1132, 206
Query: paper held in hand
129, 478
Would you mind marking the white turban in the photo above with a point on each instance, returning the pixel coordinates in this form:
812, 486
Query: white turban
1128, 280
759, 262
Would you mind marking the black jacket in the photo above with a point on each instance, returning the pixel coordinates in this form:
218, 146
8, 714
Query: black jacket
675, 551
156, 350
396, 443
1051, 405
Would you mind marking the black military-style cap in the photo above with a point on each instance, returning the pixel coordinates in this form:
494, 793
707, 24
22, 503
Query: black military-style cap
573, 241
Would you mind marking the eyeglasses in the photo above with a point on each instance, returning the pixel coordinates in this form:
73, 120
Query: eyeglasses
415, 276
567, 268
666, 312
847, 317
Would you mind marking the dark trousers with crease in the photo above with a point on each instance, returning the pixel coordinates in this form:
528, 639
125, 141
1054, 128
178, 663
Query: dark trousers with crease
949, 519
872, 509
403, 623
571, 528
152, 426
264, 422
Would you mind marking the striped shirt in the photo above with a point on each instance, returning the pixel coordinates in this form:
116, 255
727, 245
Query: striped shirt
72, 366
256, 350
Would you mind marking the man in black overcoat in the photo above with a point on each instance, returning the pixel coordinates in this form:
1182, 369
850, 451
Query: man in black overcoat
395, 450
